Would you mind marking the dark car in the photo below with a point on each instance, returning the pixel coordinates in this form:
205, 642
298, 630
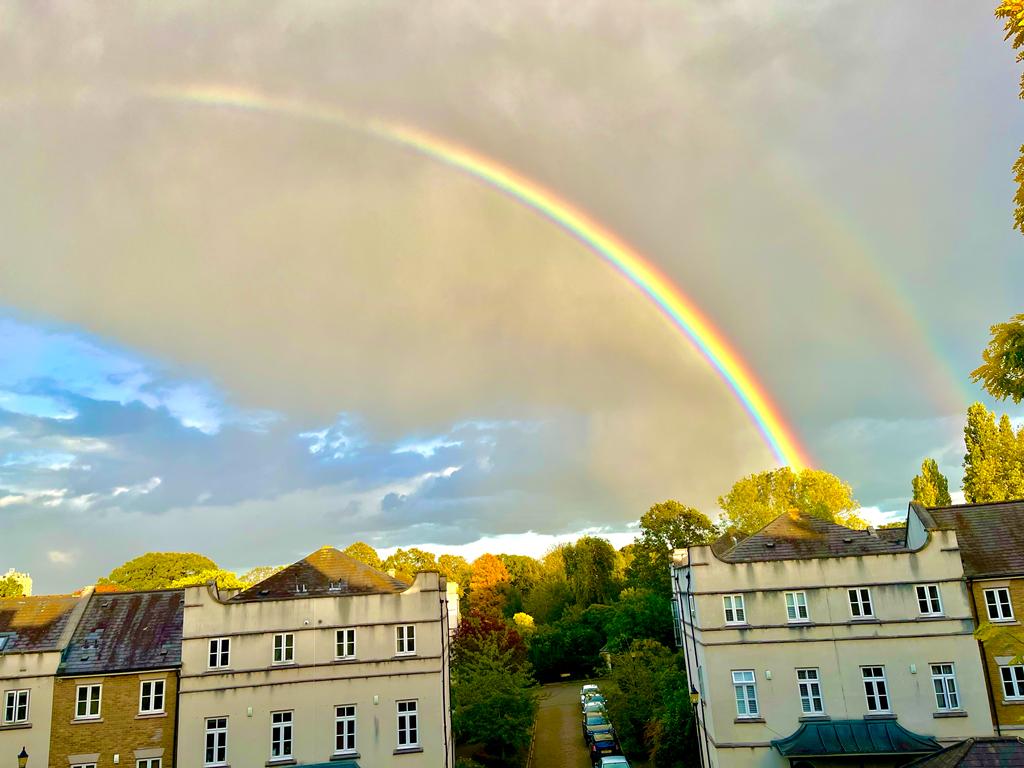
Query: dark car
596, 722
603, 744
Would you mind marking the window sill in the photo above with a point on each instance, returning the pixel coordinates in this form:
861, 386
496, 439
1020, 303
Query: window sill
879, 716
407, 750
1004, 622
800, 622
150, 715
865, 620
737, 625
217, 671
813, 718
1011, 702
82, 720
404, 655
345, 756
932, 617
276, 664
346, 660
280, 761
14, 726
950, 713
749, 720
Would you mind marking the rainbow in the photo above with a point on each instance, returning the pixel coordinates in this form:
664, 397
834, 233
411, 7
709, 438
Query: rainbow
639, 271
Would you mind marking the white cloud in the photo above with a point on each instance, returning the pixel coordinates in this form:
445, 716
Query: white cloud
427, 448
59, 557
875, 516
528, 543
139, 489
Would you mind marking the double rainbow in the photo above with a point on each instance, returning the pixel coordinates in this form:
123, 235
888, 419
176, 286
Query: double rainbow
680, 311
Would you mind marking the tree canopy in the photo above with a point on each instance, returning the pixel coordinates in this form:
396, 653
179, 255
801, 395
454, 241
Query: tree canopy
259, 573
489, 575
994, 462
758, 499
158, 570
1002, 369
10, 587
224, 580
664, 527
931, 487
364, 553
1012, 14
590, 570
406, 563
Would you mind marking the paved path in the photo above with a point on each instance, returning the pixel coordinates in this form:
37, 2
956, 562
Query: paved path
559, 731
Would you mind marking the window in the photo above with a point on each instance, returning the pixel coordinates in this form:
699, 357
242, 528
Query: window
998, 603
735, 613
345, 729
345, 644
220, 652
15, 707
88, 702
860, 604
1013, 681
408, 725
875, 690
4, 639
152, 762
280, 735
944, 680
216, 741
151, 697
928, 602
809, 685
284, 648
405, 639
746, 693
796, 606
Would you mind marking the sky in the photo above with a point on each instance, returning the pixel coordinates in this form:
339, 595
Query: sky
250, 334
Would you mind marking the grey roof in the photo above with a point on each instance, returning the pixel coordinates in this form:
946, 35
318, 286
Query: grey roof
989, 752
991, 536
127, 631
796, 536
35, 624
325, 573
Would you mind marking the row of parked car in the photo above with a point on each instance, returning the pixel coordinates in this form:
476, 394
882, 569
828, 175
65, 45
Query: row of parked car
598, 733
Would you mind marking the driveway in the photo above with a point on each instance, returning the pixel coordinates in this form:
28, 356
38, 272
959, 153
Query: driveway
559, 735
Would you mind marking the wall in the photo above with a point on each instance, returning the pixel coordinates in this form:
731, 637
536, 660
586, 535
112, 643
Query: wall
33, 671
1009, 714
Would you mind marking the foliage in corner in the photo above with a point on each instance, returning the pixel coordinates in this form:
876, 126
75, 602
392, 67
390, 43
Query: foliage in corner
1002, 370
1012, 14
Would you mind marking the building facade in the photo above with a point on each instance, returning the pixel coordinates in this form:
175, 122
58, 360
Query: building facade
33, 633
115, 694
815, 645
22, 579
328, 661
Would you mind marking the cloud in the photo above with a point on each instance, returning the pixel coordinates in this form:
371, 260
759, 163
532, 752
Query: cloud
58, 557
139, 489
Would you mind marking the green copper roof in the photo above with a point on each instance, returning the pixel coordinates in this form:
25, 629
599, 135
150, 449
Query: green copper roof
334, 764
853, 737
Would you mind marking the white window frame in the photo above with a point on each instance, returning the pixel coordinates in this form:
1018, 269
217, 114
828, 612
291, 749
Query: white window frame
152, 696
345, 640
219, 653
1014, 675
945, 687
284, 648
794, 602
692, 604
992, 600
14, 700
149, 762
282, 733
90, 688
808, 685
345, 719
83, 765
861, 604
408, 722
216, 731
929, 600
876, 688
405, 640
734, 608
744, 685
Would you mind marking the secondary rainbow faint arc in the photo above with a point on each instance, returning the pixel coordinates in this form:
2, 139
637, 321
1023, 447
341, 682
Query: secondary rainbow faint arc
682, 312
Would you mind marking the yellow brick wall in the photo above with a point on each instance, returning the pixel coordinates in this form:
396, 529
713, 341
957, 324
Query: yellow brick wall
120, 730
1008, 713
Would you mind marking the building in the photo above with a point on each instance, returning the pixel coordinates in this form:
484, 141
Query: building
998, 752
33, 633
815, 645
327, 662
115, 695
991, 538
22, 579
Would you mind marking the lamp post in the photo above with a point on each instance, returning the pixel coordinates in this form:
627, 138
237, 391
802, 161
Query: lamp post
22, 758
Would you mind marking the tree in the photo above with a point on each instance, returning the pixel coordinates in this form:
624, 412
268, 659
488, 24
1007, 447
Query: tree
757, 499
406, 563
523, 571
571, 646
549, 599
259, 573
485, 585
1011, 12
478, 628
158, 570
224, 580
639, 614
994, 461
664, 527
1002, 369
11, 587
931, 487
589, 569
364, 553
456, 569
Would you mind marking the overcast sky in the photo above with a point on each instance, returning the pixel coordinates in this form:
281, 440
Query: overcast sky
250, 335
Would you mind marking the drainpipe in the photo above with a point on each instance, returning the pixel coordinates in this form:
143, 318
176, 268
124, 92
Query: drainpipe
701, 727
984, 663
446, 670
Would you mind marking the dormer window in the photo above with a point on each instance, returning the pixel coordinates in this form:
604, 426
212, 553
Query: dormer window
301, 588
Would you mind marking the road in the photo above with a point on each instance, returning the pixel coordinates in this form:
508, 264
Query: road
559, 735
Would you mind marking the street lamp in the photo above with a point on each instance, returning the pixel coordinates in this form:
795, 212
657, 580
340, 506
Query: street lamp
694, 697
22, 758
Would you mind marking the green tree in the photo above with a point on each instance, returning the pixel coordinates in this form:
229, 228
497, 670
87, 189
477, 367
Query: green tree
364, 553
757, 499
1002, 369
224, 580
994, 461
158, 570
406, 563
1012, 14
590, 570
549, 599
523, 571
455, 568
10, 587
571, 646
639, 614
931, 487
259, 573
664, 527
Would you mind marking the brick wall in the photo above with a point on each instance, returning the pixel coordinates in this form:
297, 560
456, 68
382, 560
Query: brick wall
120, 730
1011, 644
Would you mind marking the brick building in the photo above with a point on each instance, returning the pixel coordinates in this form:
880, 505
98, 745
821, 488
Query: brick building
115, 696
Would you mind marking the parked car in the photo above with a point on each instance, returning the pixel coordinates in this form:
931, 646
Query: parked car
616, 761
592, 697
586, 690
602, 745
593, 706
596, 722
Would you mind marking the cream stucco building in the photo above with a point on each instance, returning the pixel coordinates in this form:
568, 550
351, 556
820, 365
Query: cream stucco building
326, 662
816, 645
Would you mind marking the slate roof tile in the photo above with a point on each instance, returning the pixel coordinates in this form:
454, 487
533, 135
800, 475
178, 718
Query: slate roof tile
990, 752
991, 536
34, 624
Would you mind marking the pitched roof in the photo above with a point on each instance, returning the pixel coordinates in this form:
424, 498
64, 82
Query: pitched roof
991, 536
796, 536
127, 631
853, 737
34, 624
991, 752
325, 573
